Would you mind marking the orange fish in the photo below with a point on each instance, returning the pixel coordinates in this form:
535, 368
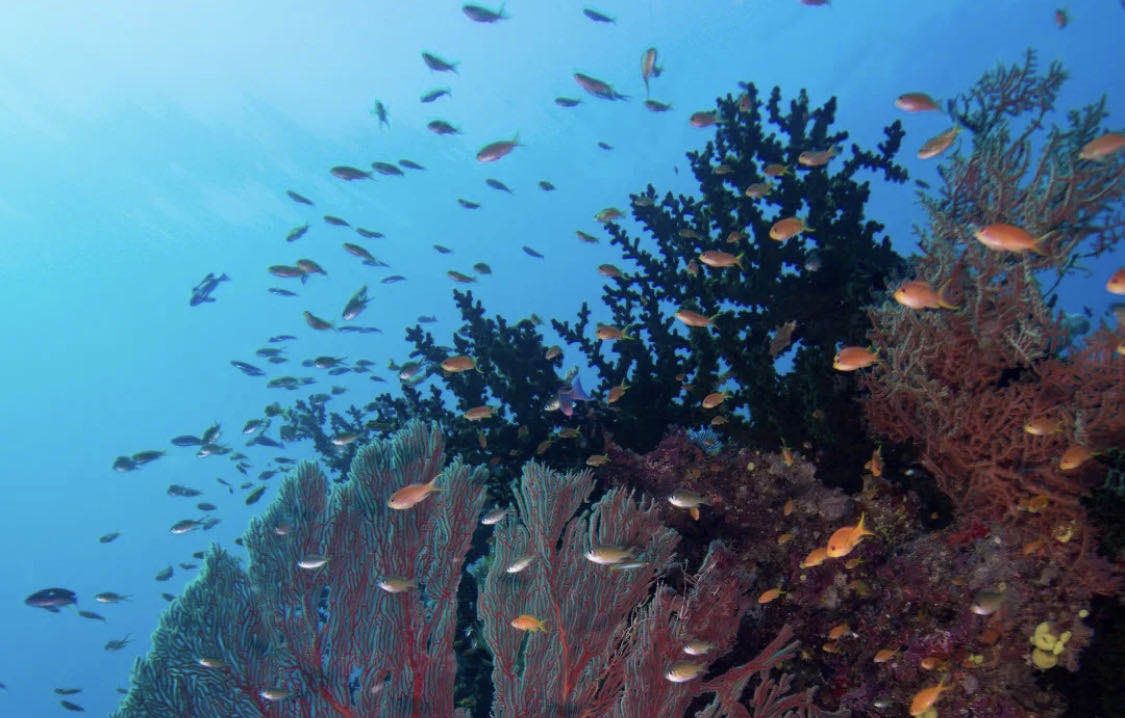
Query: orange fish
920, 294
525, 622
694, 319
718, 259
553, 351
1116, 282
845, 539
458, 364
719, 420
411, 495
704, 119
1041, 426
608, 333
735, 237
915, 102
608, 215
783, 229
853, 358
816, 158
788, 507
693, 268
758, 190
608, 270
926, 697
316, 322
1101, 148
597, 460
770, 595
775, 170
1074, 456
1007, 238
875, 463
714, 399
1061, 18
616, 393
784, 538
460, 277
938, 143
787, 455
884, 654
477, 413
816, 557
839, 631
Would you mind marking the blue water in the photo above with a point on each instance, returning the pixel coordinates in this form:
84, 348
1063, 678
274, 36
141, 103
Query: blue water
146, 146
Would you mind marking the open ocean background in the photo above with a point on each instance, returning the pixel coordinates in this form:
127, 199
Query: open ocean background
143, 145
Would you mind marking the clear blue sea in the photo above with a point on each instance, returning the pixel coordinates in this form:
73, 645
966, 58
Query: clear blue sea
144, 145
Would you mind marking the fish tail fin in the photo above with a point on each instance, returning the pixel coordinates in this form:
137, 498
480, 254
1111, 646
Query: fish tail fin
432, 485
304, 277
738, 259
942, 300
223, 277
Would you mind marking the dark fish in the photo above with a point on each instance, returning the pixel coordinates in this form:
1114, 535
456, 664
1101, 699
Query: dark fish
202, 292
143, 457
187, 440
110, 597
212, 450
211, 434
411, 165
109, 537
437, 64
356, 304
267, 475
281, 382
598, 88
264, 440
124, 463
361, 330
467, 204
247, 369
337, 371
597, 16
442, 249
567, 101
117, 644
206, 506
368, 234
605, 145
357, 251
394, 278
308, 266
531, 252
427, 319
184, 526
546, 186
181, 490
476, 13
286, 271
386, 168
52, 598
300, 199
251, 426
482, 268
337, 390
316, 322
253, 496
335, 221
655, 106
349, 174
498, 185
93, 617
167, 597
323, 362
188, 566
164, 574
224, 482
72, 706
921, 184
442, 127
380, 110
268, 351
282, 292
435, 94
67, 691
296, 233
199, 554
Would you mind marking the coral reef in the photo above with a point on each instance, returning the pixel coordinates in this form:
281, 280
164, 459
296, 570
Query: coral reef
307, 629
348, 607
994, 392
